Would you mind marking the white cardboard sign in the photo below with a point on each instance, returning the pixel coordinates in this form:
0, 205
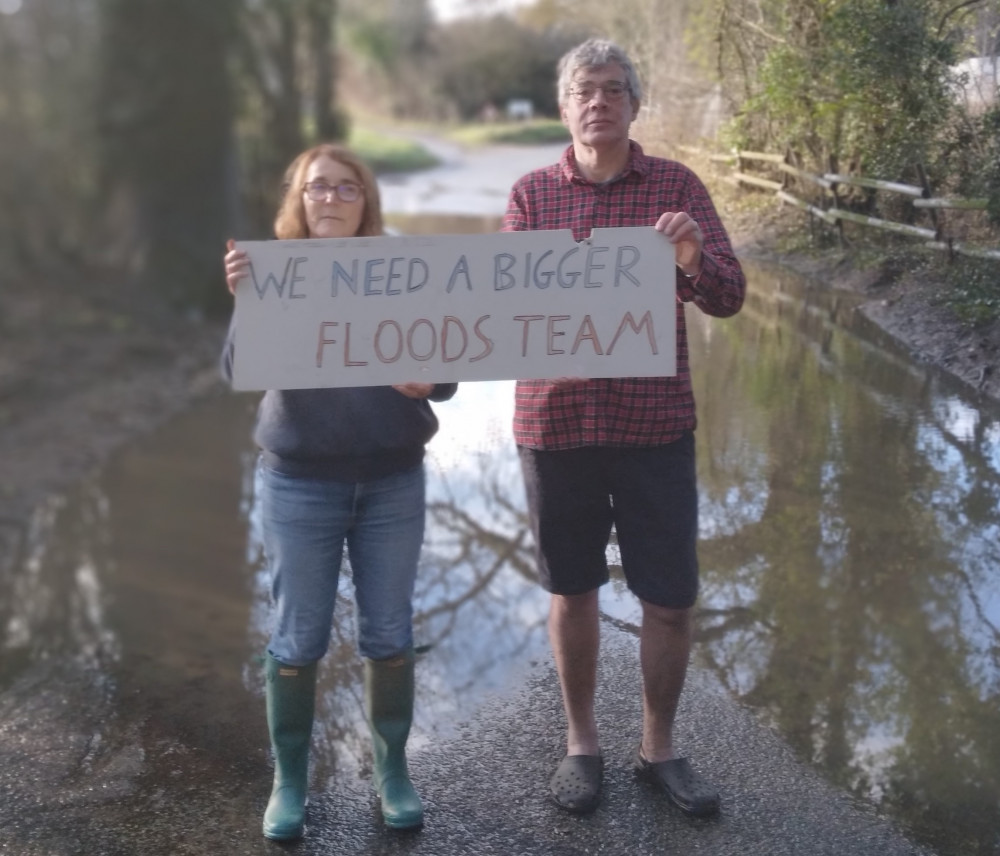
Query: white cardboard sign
503, 306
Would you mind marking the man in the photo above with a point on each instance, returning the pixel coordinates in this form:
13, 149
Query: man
603, 452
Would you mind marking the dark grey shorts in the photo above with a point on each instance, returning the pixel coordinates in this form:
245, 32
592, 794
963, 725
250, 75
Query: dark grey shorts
649, 495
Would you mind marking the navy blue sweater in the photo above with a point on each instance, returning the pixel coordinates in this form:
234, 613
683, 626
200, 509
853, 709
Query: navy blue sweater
348, 434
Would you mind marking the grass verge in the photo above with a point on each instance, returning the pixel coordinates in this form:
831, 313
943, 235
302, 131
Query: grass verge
529, 133
386, 153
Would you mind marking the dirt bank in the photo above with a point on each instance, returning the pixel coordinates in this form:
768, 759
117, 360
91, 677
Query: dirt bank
84, 368
908, 306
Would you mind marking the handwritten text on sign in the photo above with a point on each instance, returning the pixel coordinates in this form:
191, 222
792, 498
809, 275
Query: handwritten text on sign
513, 305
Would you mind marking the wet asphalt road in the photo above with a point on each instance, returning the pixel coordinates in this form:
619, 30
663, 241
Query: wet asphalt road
65, 790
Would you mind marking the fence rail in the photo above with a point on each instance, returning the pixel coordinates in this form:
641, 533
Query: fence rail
829, 192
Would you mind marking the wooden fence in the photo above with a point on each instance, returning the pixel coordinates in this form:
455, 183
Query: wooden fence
827, 189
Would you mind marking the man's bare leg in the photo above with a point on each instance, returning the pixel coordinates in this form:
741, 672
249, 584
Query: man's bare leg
664, 650
574, 634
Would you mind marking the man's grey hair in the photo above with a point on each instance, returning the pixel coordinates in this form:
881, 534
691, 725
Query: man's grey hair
590, 54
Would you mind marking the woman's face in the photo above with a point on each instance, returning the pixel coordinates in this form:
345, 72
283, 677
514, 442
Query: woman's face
328, 215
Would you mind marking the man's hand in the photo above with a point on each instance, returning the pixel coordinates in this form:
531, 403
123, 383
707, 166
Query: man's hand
564, 382
414, 389
684, 234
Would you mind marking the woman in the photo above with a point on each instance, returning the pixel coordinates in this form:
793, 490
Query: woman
338, 466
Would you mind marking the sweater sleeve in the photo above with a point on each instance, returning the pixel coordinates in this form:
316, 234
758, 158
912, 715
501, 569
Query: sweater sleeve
443, 391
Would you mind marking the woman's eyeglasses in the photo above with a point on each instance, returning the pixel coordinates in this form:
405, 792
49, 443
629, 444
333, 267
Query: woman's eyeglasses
320, 191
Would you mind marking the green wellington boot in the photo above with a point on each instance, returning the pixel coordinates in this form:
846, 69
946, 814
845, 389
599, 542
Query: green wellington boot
291, 699
389, 695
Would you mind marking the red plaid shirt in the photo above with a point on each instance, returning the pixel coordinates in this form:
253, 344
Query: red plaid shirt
632, 411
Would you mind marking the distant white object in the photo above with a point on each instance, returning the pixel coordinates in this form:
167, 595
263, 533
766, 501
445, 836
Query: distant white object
981, 81
520, 108
450, 10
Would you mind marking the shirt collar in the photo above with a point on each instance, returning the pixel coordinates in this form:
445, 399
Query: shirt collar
637, 163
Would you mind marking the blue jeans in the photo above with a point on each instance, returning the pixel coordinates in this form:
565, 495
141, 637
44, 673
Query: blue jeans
305, 524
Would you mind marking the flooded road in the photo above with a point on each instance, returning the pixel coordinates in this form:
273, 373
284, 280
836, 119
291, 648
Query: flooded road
850, 505
468, 183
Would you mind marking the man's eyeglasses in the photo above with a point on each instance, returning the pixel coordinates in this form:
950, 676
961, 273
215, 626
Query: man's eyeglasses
320, 191
613, 91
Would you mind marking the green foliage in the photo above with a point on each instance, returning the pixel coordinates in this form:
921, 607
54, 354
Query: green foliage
858, 81
371, 39
973, 289
387, 57
895, 69
534, 132
968, 160
991, 136
866, 86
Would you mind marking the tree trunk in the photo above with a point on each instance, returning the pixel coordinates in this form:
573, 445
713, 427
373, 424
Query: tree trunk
166, 116
322, 18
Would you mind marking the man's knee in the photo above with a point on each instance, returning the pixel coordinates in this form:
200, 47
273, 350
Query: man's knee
574, 605
670, 620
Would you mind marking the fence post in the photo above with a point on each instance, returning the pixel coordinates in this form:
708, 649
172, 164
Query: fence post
832, 167
926, 185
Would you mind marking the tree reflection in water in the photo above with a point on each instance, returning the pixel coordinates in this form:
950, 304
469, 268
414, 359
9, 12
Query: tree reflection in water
66, 539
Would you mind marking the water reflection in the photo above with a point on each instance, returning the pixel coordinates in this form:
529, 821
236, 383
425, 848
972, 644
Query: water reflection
852, 513
53, 596
851, 540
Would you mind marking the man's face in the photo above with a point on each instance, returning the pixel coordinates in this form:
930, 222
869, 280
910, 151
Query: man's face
599, 108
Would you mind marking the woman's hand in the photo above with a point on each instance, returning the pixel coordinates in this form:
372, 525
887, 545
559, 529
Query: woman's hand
237, 265
414, 389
